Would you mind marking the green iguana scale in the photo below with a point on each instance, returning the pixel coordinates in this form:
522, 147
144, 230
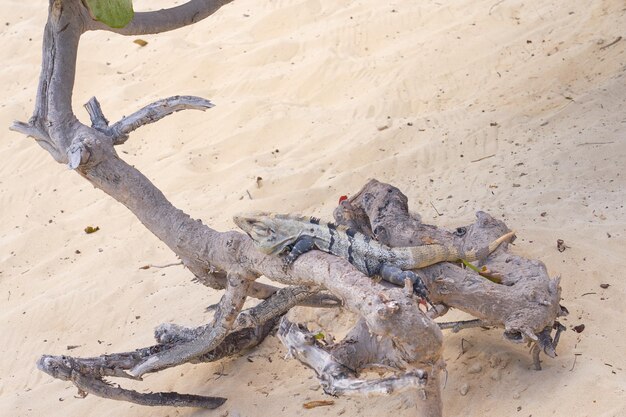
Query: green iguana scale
277, 233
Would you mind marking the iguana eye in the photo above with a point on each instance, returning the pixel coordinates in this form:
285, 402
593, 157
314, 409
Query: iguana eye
264, 231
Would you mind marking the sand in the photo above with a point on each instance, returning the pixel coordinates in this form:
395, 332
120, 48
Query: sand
515, 108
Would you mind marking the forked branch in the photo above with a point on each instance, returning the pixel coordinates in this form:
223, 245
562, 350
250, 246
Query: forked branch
227, 311
250, 329
68, 369
151, 113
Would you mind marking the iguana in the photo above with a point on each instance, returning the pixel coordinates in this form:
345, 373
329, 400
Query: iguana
278, 233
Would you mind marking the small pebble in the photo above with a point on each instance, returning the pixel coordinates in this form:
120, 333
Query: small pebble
516, 395
495, 375
475, 368
499, 361
464, 389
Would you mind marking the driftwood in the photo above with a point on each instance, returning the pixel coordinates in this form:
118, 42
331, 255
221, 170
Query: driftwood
524, 299
392, 333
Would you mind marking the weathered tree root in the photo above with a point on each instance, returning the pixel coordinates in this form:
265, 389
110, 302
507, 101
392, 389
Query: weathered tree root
335, 377
250, 328
525, 302
88, 373
69, 369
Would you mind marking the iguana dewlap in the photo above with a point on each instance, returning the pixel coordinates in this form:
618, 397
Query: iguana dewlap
277, 233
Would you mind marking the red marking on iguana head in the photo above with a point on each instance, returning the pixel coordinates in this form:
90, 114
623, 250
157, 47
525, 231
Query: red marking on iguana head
343, 198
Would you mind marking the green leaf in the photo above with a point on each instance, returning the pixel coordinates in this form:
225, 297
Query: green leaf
90, 229
113, 13
470, 266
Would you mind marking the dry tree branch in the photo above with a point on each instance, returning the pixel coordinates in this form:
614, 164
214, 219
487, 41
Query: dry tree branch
227, 311
69, 369
250, 329
149, 114
164, 20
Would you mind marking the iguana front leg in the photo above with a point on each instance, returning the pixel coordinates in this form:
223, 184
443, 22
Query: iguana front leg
387, 272
302, 245
396, 276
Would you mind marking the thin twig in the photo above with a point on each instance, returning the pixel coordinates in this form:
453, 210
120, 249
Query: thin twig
483, 158
463, 341
594, 143
495, 5
161, 266
619, 38
457, 326
437, 211
149, 114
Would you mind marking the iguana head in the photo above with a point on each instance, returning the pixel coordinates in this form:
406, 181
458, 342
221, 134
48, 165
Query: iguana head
271, 232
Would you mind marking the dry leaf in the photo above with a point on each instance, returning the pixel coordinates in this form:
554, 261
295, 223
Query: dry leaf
321, 403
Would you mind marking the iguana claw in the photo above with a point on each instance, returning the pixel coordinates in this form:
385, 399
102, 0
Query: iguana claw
419, 288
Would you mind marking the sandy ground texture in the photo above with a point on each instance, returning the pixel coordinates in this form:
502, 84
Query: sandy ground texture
516, 108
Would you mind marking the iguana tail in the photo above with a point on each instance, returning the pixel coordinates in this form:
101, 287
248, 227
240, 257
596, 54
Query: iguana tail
482, 253
422, 256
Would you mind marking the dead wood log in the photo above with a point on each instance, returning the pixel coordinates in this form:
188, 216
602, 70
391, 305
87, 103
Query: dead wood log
524, 301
